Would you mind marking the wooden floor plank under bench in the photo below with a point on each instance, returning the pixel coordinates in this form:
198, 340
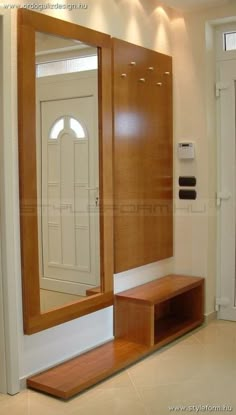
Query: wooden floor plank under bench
78, 374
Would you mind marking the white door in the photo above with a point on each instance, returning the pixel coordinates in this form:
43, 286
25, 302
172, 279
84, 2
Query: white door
226, 187
69, 189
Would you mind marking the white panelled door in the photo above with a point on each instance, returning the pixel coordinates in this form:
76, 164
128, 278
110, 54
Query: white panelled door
226, 187
70, 190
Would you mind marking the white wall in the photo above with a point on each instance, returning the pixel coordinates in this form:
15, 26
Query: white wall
143, 24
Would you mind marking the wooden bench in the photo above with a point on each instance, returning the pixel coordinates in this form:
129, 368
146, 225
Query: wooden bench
159, 311
146, 318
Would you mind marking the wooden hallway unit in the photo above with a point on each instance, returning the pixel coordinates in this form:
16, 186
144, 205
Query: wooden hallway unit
159, 310
146, 318
143, 155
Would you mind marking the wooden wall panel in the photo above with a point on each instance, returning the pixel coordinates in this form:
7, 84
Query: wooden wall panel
143, 172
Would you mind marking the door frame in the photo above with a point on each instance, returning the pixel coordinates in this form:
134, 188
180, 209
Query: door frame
3, 378
220, 56
9, 222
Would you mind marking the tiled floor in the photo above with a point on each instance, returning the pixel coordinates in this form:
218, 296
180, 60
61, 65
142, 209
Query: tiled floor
200, 370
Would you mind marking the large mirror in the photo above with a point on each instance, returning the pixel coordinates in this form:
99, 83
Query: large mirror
67, 169
65, 143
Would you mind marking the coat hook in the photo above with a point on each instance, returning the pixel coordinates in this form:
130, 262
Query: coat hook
166, 73
123, 75
159, 83
142, 79
133, 63
151, 68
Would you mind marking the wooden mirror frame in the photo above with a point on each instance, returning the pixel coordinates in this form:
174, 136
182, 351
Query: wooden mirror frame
28, 24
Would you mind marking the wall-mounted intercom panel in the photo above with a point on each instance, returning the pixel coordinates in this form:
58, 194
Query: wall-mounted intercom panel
186, 150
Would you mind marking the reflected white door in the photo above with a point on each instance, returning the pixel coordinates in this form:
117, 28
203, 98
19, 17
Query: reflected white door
70, 189
226, 199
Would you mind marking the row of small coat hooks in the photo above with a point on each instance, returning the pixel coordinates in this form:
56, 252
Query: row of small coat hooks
150, 68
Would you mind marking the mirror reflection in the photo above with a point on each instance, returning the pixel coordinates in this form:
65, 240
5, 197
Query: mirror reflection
67, 170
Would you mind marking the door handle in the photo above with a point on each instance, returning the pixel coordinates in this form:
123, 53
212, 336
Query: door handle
222, 196
91, 188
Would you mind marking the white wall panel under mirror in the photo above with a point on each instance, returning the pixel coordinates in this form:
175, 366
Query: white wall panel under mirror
67, 169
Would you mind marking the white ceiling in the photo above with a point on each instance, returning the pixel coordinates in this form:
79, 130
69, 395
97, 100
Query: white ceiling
190, 5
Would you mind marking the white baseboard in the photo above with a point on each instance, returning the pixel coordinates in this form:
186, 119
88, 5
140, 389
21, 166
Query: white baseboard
210, 317
23, 383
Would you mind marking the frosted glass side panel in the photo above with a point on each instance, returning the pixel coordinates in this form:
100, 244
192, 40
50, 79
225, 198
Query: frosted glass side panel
230, 41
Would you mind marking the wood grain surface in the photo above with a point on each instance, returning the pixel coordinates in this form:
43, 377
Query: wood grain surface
141, 327
143, 171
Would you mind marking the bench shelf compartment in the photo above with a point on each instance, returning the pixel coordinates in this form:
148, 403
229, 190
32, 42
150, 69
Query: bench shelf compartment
160, 310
